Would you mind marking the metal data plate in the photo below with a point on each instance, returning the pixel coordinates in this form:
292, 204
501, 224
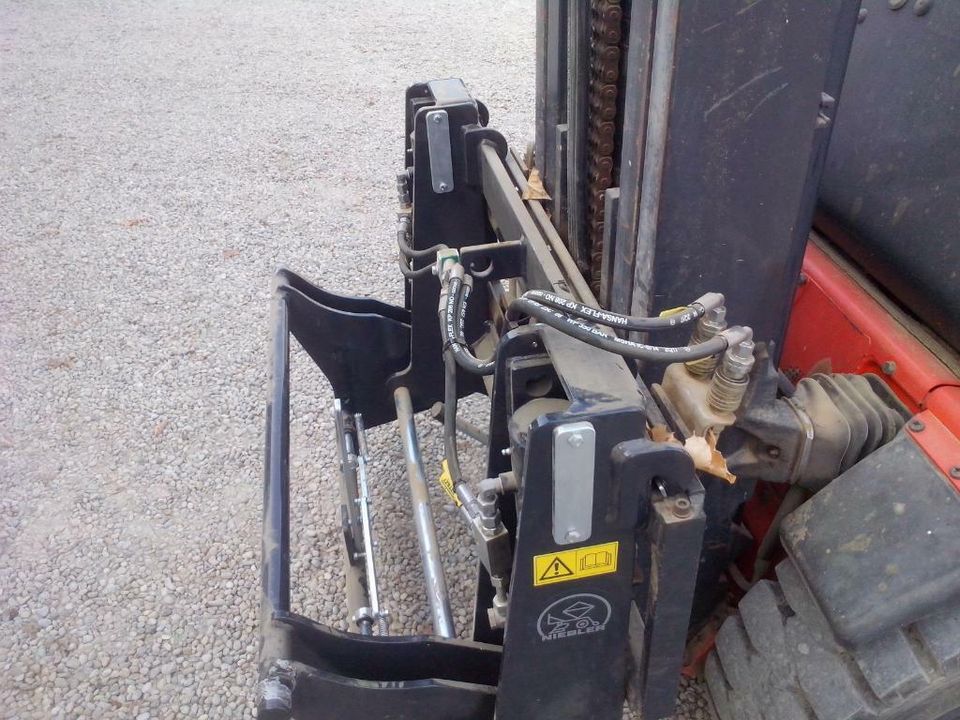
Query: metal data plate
438, 142
574, 447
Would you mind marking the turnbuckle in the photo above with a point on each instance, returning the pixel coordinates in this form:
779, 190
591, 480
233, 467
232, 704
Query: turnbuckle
370, 618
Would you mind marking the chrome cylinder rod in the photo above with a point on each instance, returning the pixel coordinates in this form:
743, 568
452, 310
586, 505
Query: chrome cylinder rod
437, 594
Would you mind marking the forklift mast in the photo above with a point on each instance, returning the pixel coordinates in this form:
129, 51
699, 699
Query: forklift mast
691, 403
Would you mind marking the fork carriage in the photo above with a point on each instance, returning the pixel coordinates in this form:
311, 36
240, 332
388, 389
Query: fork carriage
571, 466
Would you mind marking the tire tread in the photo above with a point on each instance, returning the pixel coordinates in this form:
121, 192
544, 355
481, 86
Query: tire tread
777, 659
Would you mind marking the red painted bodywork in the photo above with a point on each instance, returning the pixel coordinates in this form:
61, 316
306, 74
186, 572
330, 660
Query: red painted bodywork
837, 326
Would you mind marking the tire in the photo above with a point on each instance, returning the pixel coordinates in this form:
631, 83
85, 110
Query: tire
776, 659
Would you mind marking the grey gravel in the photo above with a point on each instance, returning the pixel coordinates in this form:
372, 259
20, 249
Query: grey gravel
159, 161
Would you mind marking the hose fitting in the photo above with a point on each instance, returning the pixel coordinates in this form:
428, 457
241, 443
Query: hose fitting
709, 301
448, 266
729, 383
713, 322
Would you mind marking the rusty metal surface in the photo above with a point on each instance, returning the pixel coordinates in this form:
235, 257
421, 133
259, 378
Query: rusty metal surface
606, 49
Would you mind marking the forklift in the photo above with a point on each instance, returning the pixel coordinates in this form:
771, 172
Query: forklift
714, 311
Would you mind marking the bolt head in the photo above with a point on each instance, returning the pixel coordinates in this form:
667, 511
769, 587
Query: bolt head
573, 536
922, 7
889, 367
916, 425
744, 350
437, 119
862, 15
896, 4
955, 472
276, 699
738, 360
575, 440
443, 187
717, 314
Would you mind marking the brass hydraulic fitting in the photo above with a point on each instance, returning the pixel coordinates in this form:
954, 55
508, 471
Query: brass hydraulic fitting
729, 383
713, 322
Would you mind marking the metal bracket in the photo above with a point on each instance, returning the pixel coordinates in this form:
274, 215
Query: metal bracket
441, 155
494, 261
574, 446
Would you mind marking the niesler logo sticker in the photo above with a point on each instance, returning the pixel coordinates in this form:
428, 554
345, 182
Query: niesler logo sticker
580, 614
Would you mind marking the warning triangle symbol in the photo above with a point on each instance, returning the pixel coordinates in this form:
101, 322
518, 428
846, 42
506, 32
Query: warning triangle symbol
556, 569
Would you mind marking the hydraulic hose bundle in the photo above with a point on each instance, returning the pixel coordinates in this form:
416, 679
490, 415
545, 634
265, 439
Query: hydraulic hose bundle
585, 323
453, 311
681, 316
599, 338
580, 321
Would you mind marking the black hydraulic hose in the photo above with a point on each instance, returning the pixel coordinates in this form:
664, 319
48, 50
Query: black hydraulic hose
688, 314
451, 319
450, 450
409, 252
463, 297
412, 274
450, 417
627, 348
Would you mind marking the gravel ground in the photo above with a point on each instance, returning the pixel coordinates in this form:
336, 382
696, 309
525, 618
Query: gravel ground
159, 161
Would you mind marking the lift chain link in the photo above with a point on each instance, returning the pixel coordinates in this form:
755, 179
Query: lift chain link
605, 53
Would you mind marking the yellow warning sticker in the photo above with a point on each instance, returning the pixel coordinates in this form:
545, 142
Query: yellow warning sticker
446, 482
583, 562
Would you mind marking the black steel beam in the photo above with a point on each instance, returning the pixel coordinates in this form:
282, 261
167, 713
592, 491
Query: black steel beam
733, 124
578, 80
611, 211
551, 86
617, 277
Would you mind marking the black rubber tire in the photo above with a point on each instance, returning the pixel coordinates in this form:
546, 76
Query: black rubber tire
776, 659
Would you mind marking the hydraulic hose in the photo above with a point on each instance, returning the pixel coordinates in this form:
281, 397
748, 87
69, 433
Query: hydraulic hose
691, 312
468, 500
450, 417
627, 348
450, 450
453, 311
412, 274
407, 251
